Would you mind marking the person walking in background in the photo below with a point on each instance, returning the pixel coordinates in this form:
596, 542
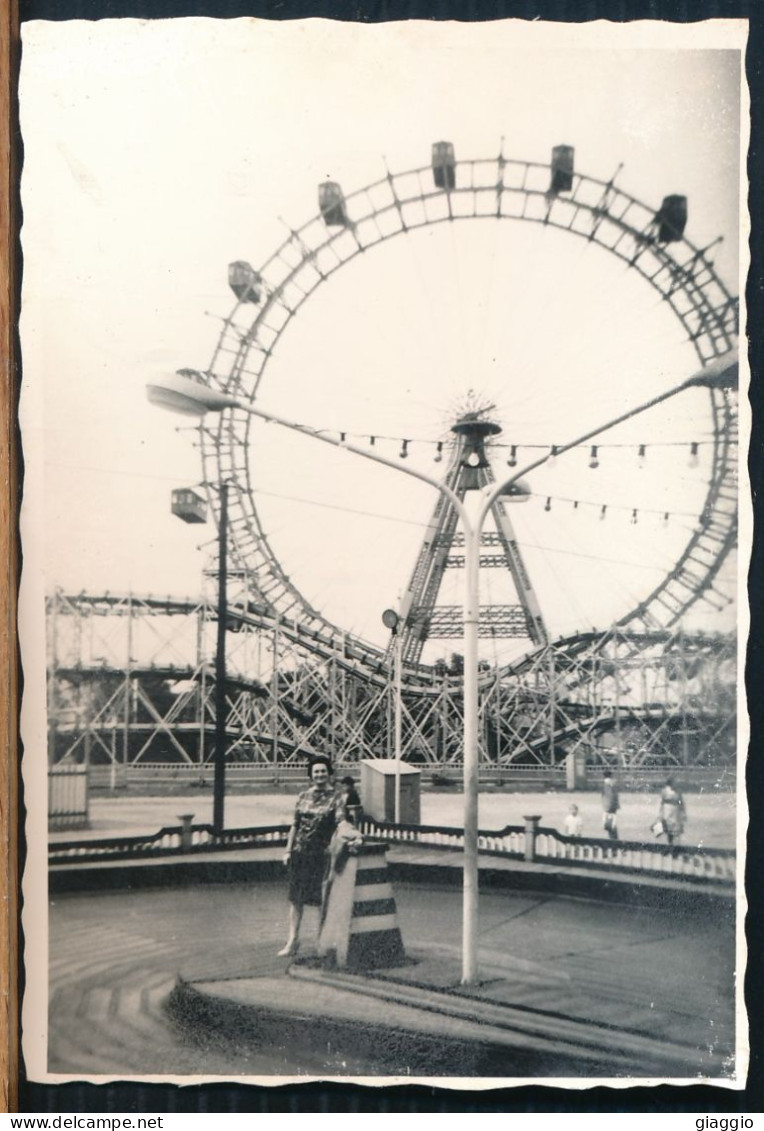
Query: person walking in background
319, 810
352, 801
573, 822
610, 806
672, 813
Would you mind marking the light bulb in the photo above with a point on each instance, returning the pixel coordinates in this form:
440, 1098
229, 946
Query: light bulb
593, 461
634, 518
439, 452
694, 455
642, 456
603, 512
552, 455
512, 461
404, 449
548, 505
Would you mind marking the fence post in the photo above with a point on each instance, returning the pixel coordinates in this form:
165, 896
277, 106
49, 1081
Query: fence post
185, 831
531, 828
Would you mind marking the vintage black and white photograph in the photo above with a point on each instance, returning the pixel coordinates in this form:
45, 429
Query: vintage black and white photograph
384, 528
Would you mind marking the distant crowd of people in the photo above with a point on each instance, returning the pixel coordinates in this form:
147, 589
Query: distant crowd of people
670, 822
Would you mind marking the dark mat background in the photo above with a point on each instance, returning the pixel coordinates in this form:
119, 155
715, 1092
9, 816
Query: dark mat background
220, 1098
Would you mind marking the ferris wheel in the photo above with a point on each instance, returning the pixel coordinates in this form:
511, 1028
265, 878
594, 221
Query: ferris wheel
647, 240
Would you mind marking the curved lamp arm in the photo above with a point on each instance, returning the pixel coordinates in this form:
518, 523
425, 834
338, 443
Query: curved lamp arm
721, 373
183, 394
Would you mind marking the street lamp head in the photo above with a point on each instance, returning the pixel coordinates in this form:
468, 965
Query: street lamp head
721, 373
178, 392
390, 619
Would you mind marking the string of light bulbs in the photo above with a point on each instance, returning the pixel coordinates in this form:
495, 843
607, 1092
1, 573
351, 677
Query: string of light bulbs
606, 509
405, 445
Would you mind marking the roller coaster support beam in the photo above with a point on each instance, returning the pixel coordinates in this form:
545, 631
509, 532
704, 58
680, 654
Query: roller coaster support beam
183, 394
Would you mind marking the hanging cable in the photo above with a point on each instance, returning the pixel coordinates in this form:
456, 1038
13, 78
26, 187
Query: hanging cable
497, 445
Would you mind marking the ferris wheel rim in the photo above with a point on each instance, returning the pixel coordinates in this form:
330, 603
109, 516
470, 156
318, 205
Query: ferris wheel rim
690, 286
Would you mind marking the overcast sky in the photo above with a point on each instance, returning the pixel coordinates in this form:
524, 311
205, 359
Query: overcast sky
156, 153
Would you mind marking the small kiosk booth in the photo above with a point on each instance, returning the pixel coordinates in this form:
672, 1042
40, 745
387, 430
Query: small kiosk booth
378, 790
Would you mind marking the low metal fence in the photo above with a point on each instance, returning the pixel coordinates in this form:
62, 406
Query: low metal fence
538, 844
450, 774
683, 861
531, 842
169, 841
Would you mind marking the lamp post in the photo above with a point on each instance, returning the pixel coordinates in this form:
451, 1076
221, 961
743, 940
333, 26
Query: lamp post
189, 396
391, 620
172, 398
221, 703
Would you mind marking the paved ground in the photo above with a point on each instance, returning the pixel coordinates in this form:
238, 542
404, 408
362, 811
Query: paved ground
115, 956
711, 815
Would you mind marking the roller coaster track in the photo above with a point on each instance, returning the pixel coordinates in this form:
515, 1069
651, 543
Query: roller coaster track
319, 695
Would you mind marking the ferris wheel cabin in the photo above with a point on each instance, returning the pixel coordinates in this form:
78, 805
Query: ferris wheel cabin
671, 219
444, 165
562, 168
244, 281
188, 505
331, 201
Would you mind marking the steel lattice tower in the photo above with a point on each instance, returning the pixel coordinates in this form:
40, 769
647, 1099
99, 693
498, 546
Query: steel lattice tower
423, 619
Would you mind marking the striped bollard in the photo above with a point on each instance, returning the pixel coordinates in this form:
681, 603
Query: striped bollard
360, 924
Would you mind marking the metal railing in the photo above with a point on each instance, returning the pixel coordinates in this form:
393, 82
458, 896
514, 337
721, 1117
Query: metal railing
531, 842
656, 859
263, 773
541, 845
169, 841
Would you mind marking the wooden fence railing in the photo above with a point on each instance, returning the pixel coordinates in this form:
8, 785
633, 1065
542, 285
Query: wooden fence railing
538, 844
531, 842
169, 841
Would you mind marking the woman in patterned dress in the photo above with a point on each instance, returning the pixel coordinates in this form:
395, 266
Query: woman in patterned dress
319, 810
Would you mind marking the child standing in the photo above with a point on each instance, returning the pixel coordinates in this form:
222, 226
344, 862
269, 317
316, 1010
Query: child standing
573, 822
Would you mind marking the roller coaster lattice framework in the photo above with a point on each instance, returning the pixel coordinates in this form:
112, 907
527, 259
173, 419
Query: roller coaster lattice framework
661, 698
641, 692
